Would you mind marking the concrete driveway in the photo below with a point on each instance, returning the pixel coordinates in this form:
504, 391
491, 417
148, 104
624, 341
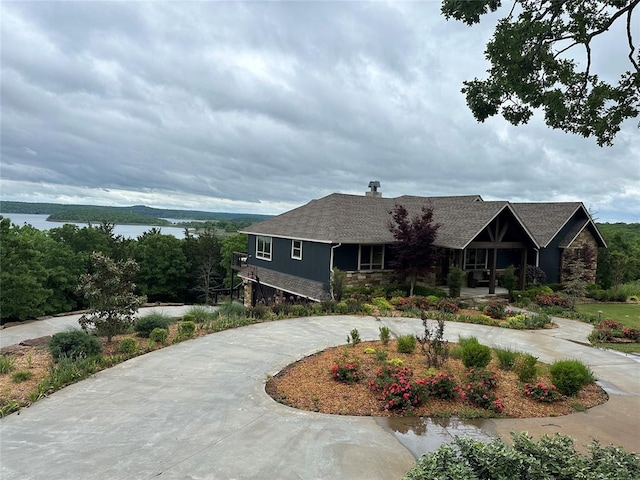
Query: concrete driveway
198, 410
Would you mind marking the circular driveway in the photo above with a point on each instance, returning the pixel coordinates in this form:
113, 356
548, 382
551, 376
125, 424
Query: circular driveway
198, 410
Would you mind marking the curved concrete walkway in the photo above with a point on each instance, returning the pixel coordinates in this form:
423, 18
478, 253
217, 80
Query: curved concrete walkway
198, 410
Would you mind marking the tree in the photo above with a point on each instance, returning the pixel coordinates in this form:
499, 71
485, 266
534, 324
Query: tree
110, 292
203, 255
531, 66
233, 243
23, 293
163, 267
413, 251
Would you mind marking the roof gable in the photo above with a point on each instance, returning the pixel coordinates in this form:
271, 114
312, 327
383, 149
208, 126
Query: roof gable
546, 220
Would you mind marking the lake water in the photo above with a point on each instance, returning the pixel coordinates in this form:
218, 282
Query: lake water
128, 231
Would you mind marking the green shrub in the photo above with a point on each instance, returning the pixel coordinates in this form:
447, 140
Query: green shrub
424, 291
198, 314
475, 355
506, 358
354, 337
551, 458
569, 376
382, 304
259, 312
342, 308
381, 356
186, 329
406, 344
385, 335
145, 325
6, 364
230, 309
525, 367
159, 335
73, 344
454, 282
128, 346
464, 341
21, 376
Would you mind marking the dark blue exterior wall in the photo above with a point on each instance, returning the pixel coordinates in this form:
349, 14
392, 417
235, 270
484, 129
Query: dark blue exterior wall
313, 266
550, 257
345, 257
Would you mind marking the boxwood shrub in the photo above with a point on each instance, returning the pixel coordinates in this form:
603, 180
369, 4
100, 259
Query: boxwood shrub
74, 344
145, 325
569, 376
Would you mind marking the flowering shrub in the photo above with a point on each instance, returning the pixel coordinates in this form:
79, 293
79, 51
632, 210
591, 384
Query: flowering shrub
631, 333
441, 385
346, 371
409, 303
611, 331
398, 389
448, 306
479, 394
483, 377
552, 300
496, 310
540, 392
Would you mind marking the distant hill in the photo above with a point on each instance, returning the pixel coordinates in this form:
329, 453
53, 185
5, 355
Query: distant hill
97, 213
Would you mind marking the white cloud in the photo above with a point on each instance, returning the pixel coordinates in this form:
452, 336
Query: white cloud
260, 107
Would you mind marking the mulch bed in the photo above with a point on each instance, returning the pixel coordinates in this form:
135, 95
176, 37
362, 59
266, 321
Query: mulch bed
309, 385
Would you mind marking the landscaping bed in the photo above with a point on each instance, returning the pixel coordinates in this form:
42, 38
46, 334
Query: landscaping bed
309, 385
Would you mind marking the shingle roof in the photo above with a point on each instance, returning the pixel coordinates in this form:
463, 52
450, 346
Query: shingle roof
283, 281
339, 218
545, 220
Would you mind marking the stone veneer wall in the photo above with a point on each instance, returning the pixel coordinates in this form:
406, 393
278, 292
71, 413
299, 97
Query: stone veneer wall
364, 278
585, 238
248, 293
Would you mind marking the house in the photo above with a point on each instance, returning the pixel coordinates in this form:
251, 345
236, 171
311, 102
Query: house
295, 253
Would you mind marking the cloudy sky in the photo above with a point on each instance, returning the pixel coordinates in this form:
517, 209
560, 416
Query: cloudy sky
260, 107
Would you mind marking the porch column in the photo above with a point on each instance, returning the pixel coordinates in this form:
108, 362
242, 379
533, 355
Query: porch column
523, 268
492, 275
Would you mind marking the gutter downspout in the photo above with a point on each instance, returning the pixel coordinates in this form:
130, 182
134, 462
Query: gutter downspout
333, 247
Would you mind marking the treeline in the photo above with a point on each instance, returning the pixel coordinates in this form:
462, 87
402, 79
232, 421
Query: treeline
104, 214
142, 210
620, 262
40, 269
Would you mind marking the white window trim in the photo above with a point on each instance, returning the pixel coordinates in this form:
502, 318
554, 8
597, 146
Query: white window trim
264, 255
369, 262
293, 249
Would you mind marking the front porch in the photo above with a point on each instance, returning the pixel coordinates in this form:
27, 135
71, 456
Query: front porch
482, 292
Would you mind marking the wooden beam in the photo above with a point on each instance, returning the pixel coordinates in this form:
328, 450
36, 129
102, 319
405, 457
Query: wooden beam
492, 275
523, 268
502, 245
503, 232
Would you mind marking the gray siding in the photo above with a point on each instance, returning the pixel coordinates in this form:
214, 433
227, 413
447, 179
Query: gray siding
313, 266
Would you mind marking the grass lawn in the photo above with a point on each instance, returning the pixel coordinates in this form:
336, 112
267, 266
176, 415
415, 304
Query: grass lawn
621, 347
626, 313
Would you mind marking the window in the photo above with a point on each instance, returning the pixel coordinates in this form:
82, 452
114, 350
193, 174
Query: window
476, 259
371, 257
296, 249
263, 248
